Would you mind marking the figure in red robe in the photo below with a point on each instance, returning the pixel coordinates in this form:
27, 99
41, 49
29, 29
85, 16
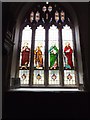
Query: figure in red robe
25, 56
68, 54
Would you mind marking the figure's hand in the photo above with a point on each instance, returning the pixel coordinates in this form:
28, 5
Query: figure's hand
27, 49
68, 50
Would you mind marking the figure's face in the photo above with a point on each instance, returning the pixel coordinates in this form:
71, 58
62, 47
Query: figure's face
52, 51
67, 44
38, 48
26, 45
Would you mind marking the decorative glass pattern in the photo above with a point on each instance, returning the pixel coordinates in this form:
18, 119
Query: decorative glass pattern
39, 50
38, 77
47, 16
24, 77
37, 16
50, 8
69, 77
44, 9
62, 15
31, 16
56, 16
54, 77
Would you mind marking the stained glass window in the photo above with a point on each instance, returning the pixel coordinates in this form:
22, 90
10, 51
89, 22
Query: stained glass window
37, 16
56, 16
62, 15
69, 77
53, 54
25, 55
54, 77
39, 55
47, 56
44, 9
39, 49
24, 77
68, 55
50, 8
31, 16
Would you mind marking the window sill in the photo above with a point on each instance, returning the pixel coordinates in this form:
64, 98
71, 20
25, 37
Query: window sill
47, 89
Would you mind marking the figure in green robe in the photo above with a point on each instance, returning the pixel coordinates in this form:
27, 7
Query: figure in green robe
53, 57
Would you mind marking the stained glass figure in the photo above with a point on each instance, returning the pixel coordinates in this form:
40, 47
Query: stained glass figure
38, 57
53, 47
37, 16
62, 15
39, 49
69, 77
68, 53
38, 77
56, 16
25, 48
31, 16
54, 77
68, 56
53, 57
50, 8
24, 77
25, 56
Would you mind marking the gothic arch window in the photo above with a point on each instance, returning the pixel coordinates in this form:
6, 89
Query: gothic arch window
47, 54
